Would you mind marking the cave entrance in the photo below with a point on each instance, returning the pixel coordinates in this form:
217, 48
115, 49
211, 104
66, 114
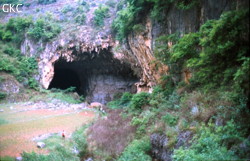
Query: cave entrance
96, 76
65, 78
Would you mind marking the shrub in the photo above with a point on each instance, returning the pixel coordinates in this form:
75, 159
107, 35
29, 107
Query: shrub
139, 100
15, 29
11, 51
80, 139
170, 119
7, 66
46, 1
69, 90
137, 150
211, 143
32, 83
185, 5
142, 121
84, 3
9, 1
111, 3
223, 41
122, 102
2, 95
126, 98
67, 8
100, 14
44, 31
80, 19
59, 153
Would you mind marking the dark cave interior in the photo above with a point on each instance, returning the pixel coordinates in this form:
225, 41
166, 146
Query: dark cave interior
97, 76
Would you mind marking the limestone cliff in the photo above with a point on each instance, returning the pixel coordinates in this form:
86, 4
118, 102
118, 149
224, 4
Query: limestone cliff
142, 44
92, 51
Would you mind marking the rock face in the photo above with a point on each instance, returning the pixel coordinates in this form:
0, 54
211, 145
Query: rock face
159, 147
159, 143
88, 51
142, 44
9, 85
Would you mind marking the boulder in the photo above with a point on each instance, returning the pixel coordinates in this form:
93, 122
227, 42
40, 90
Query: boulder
75, 150
159, 147
184, 139
89, 159
40, 145
195, 111
96, 105
19, 158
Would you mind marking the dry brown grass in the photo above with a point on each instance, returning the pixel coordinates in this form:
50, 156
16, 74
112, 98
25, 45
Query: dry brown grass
111, 134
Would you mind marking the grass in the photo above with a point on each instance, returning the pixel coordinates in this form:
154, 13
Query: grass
21, 129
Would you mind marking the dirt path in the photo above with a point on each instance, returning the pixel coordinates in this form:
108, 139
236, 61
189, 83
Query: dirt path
22, 123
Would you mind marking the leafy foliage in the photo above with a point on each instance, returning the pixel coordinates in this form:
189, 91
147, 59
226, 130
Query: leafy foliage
80, 140
46, 1
127, 19
9, 2
170, 119
220, 41
211, 143
2, 95
137, 150
139, 100
43, 31
80, 19
15, 29
100, 14
124, 101
24, 68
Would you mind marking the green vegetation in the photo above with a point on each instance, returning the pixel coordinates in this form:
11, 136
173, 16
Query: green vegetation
137, 150
46, 1
111, 3
3, 121
121, 102
80, 141
44, 31
21, 67
139, 100
217, 55
211, 143
134, 102
80, 19
9, 2
7, 158
15, 29
61, 152
127, 17
217, 41
11, 36
170, 119
2, 95
66, 95
100, 14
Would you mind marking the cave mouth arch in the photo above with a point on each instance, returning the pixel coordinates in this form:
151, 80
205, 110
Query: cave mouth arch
96, 76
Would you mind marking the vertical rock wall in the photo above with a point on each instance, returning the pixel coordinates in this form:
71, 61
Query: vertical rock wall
142, 44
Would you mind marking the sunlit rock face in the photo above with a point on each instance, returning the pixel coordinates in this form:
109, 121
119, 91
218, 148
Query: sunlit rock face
97, 76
